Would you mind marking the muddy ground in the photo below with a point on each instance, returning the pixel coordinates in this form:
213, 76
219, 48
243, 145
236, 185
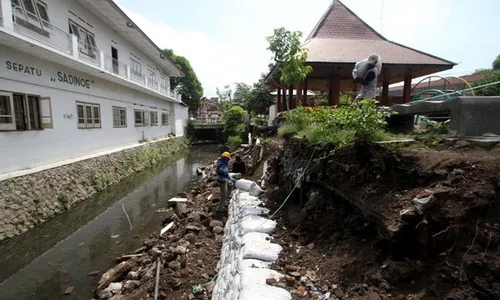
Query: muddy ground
370, 222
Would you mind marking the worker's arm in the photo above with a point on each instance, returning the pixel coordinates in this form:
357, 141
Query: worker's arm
369, 77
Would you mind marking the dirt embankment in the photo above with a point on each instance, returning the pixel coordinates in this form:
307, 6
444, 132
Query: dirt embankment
378, 222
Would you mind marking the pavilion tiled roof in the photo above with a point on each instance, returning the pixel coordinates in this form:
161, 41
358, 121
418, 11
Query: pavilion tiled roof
342, 37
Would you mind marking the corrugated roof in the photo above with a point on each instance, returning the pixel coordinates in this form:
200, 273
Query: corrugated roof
342, 37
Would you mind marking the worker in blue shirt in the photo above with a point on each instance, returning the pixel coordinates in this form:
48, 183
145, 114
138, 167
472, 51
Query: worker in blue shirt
222, 178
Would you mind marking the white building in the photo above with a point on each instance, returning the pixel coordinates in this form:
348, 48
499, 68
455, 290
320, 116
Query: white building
78, 77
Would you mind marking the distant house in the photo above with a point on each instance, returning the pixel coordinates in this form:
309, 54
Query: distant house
209, 110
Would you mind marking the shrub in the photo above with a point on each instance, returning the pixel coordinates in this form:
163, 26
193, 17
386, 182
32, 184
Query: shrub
234, 122
338, 126
233, 142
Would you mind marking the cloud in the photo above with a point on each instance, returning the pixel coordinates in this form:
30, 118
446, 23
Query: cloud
215, 64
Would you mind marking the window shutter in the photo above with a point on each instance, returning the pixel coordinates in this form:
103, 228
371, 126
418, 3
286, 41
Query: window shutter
46, 113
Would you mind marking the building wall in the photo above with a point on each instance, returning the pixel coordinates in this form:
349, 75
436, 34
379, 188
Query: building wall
181, 116
26, 149
60, 11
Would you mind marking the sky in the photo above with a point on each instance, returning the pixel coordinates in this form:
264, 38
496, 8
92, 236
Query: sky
224, 40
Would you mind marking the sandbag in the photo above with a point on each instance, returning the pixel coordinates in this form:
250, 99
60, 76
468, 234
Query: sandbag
254, 223
244, 184
262, 250
264, 292
361, 67
249, 186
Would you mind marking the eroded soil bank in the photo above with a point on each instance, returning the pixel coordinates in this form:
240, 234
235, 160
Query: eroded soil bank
392, 222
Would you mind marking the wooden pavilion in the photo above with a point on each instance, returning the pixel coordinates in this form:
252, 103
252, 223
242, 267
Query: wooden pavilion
339, 40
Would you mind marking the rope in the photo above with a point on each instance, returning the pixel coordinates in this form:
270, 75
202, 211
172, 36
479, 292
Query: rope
129, 223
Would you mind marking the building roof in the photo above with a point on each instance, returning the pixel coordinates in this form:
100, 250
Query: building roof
113, 16
342, 37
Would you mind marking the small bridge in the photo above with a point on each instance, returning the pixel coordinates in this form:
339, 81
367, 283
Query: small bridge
207, 130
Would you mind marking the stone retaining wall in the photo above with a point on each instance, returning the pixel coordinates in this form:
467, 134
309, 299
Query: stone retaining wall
247, 253
35, 198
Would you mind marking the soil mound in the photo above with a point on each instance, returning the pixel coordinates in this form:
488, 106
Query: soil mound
392, 222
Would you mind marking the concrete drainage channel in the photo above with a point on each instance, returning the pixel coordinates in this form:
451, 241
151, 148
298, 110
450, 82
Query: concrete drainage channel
247, 252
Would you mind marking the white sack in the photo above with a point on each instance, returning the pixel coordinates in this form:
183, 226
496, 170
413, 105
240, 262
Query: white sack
264, 292
261, 250
256, 224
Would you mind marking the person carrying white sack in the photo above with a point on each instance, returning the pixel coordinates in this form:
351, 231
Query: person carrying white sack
365, 73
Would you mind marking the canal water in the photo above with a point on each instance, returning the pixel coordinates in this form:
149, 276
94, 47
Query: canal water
60, 254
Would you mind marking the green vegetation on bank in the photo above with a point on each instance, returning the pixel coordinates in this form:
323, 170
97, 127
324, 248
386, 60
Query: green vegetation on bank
338, 127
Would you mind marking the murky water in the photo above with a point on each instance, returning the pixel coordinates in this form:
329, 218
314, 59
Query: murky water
44, 262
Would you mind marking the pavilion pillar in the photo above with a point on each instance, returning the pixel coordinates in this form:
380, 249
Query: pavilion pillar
299, 96
284, 100
385, 88
336, 90
330, 92
290, 98
279, 102
304, 93
407, 86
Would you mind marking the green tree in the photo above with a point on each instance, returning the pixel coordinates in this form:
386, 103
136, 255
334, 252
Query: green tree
289, 56
261, 97
242, 95
188, 86
496, 63
234, 122
491, 90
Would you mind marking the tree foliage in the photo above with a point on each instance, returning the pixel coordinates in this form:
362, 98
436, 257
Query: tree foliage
188, 86
256, 98
234, 122
491, 90
289, 55
496, 63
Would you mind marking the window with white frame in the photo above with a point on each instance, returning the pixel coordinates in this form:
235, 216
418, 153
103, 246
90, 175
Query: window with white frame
135, 68
164, 119
21, 112
141, 117
86, 39
154, 118
32, 14
163, 83
119, 117
152, 78
89, 115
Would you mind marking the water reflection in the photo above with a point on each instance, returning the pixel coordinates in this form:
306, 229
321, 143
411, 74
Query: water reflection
42, 263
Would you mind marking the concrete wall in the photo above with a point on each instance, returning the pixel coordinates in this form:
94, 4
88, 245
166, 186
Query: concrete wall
33, 199
181, 116
469, 116
26, 149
